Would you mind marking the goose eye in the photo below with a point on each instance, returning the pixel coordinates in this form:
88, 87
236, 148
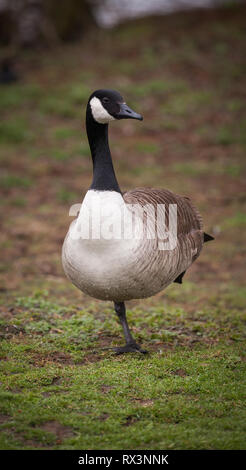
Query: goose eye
105, 100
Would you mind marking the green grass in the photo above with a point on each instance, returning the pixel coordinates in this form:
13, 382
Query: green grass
62, 133
238, 220
181, 104
10, 180
61, 389
59, 107
65, 102
64, 195
17, 96
199, 168
14, 131
150, 148
228, 135
156, 87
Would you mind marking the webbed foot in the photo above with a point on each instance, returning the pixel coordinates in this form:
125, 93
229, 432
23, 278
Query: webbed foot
130, 347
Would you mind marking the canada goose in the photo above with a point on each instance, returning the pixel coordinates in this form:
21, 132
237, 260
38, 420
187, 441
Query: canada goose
121, 268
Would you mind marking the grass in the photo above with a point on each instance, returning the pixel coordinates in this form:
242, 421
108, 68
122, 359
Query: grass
62, 387
17, 96
238, 220
14, 132
200, 168
9, 181
60, 391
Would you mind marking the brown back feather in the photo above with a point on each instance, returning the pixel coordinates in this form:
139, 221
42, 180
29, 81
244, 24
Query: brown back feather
189, 218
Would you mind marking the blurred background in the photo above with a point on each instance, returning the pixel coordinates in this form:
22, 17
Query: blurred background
185, 72
182, 64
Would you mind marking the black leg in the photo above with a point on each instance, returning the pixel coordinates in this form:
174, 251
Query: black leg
131, 345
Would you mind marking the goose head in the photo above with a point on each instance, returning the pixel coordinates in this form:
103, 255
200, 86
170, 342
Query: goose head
105, 106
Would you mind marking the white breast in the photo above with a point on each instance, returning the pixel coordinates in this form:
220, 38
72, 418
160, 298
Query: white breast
95, 257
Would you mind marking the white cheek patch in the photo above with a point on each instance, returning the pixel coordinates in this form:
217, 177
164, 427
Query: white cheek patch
99, 113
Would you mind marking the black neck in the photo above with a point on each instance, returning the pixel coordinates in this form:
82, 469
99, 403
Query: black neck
104, 178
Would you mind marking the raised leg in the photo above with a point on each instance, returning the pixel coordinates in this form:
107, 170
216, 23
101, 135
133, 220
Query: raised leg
131, 345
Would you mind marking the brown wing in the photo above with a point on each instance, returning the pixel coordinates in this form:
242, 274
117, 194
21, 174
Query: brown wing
188, 216
189, 223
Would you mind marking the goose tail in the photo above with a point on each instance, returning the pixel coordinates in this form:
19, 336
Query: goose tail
207, 237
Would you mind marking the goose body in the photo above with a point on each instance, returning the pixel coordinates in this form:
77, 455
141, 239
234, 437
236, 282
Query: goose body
108, 252
121, 269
